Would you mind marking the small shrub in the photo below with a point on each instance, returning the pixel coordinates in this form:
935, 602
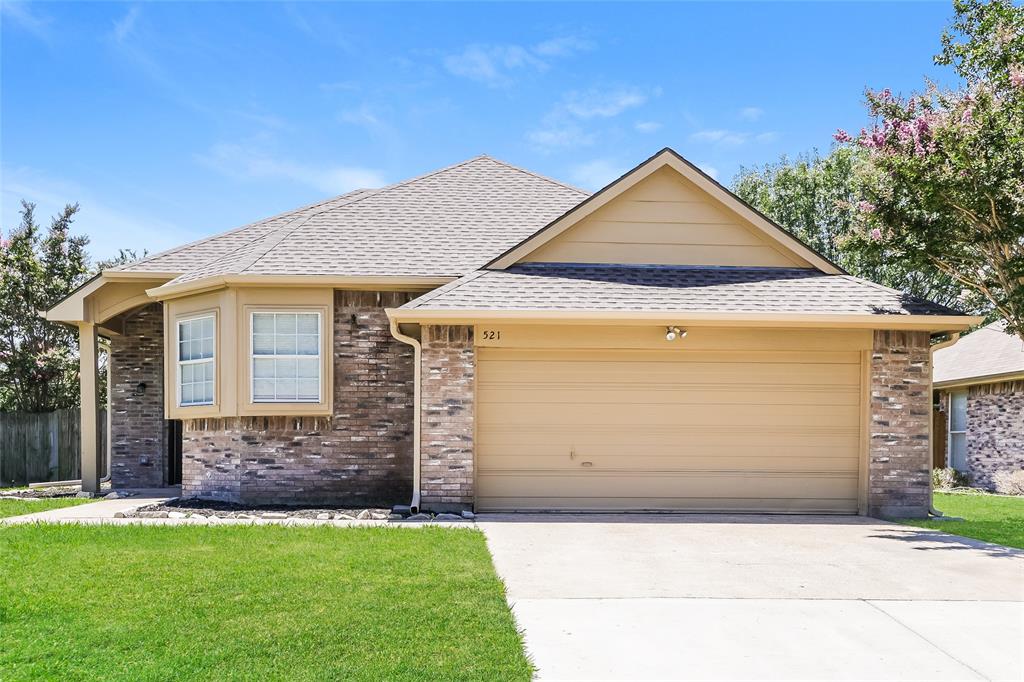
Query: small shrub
948, 478
1009, 481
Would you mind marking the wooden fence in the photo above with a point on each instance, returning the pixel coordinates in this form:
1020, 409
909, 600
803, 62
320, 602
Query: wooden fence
44, 447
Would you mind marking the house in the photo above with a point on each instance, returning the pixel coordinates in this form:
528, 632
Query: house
484, 337
979, 386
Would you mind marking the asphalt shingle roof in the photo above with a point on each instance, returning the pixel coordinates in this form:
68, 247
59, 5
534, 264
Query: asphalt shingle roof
986, 352
443, 224
599, 287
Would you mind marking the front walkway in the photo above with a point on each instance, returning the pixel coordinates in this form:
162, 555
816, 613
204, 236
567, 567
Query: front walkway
99, 511
757, 597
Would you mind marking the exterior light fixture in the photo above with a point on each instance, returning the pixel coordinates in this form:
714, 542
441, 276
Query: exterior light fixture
673, 333
140, 389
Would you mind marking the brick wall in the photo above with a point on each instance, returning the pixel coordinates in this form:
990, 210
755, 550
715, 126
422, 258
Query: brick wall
899, 459
360, 456
995, 430
138, 449
446, 439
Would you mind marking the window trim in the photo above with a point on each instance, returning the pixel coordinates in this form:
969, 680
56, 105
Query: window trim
950, 431
319, 355
179, 362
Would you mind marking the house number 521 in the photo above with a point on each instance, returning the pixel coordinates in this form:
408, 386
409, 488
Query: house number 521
491, 335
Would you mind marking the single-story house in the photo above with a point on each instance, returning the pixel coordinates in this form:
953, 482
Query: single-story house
482, 337
979, 388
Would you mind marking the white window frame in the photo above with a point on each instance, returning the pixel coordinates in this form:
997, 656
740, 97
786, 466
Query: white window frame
319, 356
180, 362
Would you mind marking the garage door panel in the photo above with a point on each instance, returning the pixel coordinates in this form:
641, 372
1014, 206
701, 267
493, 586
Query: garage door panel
647, 414
723, 431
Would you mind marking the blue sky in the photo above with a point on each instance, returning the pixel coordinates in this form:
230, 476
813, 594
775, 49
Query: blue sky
172, 121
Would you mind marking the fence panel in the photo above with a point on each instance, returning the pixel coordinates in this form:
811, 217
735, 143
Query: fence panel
44, 447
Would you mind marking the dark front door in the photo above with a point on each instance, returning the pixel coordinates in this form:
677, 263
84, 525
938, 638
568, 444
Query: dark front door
174, 452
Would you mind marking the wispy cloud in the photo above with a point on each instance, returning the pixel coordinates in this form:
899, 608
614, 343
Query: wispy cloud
495, 65
597, 173
25, 16
647, 126
750, 113
731, 138
562, 126
709, 169
566, 46
125, 26
110, 224
249, 162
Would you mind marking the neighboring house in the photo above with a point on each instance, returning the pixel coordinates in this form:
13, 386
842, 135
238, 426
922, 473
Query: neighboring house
483, 337
979, 385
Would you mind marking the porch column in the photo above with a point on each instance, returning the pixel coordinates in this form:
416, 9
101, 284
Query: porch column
88, 351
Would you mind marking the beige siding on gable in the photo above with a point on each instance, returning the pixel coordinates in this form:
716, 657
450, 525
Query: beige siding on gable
665, 219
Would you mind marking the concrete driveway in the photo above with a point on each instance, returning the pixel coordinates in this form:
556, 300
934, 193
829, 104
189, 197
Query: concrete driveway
616, 597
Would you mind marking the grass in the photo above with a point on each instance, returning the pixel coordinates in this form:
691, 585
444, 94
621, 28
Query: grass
17, 507
252, 602
992, 518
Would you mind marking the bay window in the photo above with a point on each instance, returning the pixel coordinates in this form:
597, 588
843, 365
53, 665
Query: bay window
196, 362
285, 357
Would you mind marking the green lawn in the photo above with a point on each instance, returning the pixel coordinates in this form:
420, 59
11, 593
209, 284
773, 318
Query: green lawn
252, 602
17, 507
992, 518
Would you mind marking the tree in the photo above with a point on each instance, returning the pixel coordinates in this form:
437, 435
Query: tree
38, 359
816, 198
942, 171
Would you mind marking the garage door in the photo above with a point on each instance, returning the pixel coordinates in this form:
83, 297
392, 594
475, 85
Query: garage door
634, 430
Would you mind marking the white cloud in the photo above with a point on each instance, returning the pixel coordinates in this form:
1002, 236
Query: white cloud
110, 225
566, 46
249, 163
719, 136
602, 103
750, 113
647, 126
769, 136
24, 15
492, 64
597, 173
125, 26
561, 128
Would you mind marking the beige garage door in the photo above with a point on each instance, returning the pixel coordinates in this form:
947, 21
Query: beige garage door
633, 430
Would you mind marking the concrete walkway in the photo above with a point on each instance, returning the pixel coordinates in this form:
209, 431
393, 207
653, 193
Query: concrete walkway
99, 511
659, 597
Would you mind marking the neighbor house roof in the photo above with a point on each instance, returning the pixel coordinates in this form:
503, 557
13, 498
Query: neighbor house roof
679, 289
443, 224
986, 354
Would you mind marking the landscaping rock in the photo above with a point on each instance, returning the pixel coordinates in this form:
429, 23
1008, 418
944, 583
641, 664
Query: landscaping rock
395, 517
468, 515
85, 494
448, 517
323, 517
119, 515
344, 517
176, 515
151, 514
419, 517
111, 496
274, 515
364, 515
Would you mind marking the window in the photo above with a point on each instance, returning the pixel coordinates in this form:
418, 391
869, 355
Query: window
195, 361
958, 430
285, 357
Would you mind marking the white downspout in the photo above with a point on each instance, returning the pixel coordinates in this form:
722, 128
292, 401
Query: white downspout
953, 338
414, 505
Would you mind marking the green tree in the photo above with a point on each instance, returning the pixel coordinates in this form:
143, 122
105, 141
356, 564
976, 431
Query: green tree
942, 171
816, 198
38, 359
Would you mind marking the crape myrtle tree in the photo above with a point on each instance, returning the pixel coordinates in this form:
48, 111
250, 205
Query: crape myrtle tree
942, 171
817, 198
38, 359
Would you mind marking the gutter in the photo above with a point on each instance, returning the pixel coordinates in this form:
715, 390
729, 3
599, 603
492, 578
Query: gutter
953, 338
414, 504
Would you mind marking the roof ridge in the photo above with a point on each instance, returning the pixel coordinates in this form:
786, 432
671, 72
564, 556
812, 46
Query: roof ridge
451, 286
246, 226
536, 175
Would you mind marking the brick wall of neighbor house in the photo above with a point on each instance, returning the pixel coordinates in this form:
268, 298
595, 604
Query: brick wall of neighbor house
447, 374
899, 458
138, 430
995, 430
360, 456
